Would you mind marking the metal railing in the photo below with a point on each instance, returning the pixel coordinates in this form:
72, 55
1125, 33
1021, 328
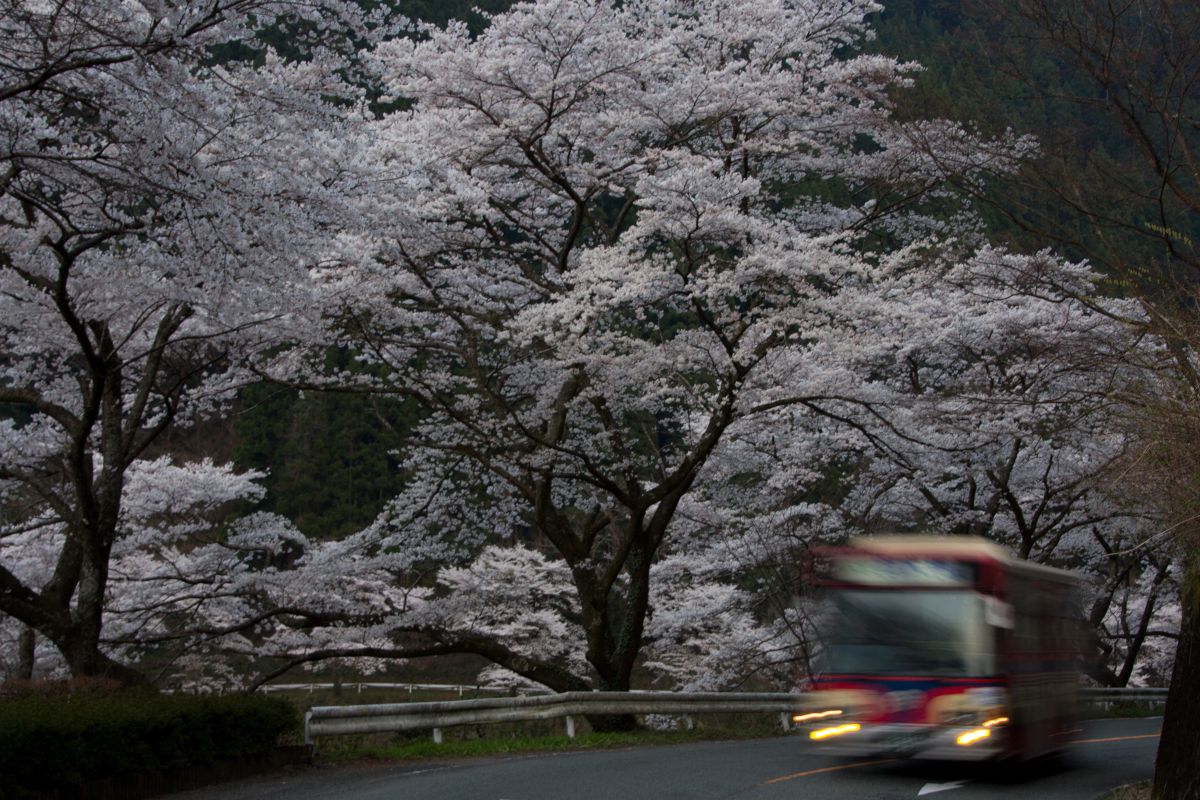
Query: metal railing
358, 686
389, 717
1105, 697
393, 717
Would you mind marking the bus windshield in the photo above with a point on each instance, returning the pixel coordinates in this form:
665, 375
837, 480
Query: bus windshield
908, 632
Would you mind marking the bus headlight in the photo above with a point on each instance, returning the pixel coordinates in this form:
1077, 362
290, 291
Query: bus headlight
971, 737
838, 730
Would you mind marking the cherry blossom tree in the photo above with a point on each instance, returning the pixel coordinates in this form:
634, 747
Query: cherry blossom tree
603, 242
1001, 413
1027, 438
176, 560
156, 213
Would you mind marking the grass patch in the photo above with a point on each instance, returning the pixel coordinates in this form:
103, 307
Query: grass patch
425, 748
1132, 791
1122, 710
470, 741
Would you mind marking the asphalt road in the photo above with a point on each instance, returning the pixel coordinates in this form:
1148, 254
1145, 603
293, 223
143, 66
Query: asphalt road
1107, 753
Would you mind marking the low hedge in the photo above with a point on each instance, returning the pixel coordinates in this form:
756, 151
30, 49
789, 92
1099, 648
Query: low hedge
57, 743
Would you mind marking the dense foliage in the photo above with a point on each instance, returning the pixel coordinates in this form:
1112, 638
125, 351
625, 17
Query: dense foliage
59, 742
328, 458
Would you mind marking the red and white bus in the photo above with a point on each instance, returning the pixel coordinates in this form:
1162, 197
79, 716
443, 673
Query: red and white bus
943, 647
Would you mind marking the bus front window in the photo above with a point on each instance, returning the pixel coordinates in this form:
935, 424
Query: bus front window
908, 632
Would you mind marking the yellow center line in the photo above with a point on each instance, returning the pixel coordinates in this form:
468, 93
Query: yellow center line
838, 768
1116, 739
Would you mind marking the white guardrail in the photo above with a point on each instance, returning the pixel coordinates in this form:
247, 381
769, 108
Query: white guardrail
339, 720
358, 686
392, 717
1106, 697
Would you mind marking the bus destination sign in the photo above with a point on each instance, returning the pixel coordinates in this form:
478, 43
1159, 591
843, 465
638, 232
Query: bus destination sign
874, 571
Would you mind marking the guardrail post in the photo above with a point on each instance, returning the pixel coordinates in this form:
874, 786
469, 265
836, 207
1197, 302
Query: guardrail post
570, 727
785, 719
688, 722
437, 735
308, 739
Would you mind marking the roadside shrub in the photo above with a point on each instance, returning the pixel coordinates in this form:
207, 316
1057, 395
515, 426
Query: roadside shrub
57, 742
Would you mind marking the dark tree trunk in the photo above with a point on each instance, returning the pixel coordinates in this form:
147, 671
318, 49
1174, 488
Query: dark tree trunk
80, 642
1176, 774
613, 675
617, 681
615, 633
85, 660
26, 646
1134, 648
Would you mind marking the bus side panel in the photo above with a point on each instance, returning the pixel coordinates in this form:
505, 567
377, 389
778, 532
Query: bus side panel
1041, 656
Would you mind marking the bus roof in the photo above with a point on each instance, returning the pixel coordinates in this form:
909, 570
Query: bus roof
899, 544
